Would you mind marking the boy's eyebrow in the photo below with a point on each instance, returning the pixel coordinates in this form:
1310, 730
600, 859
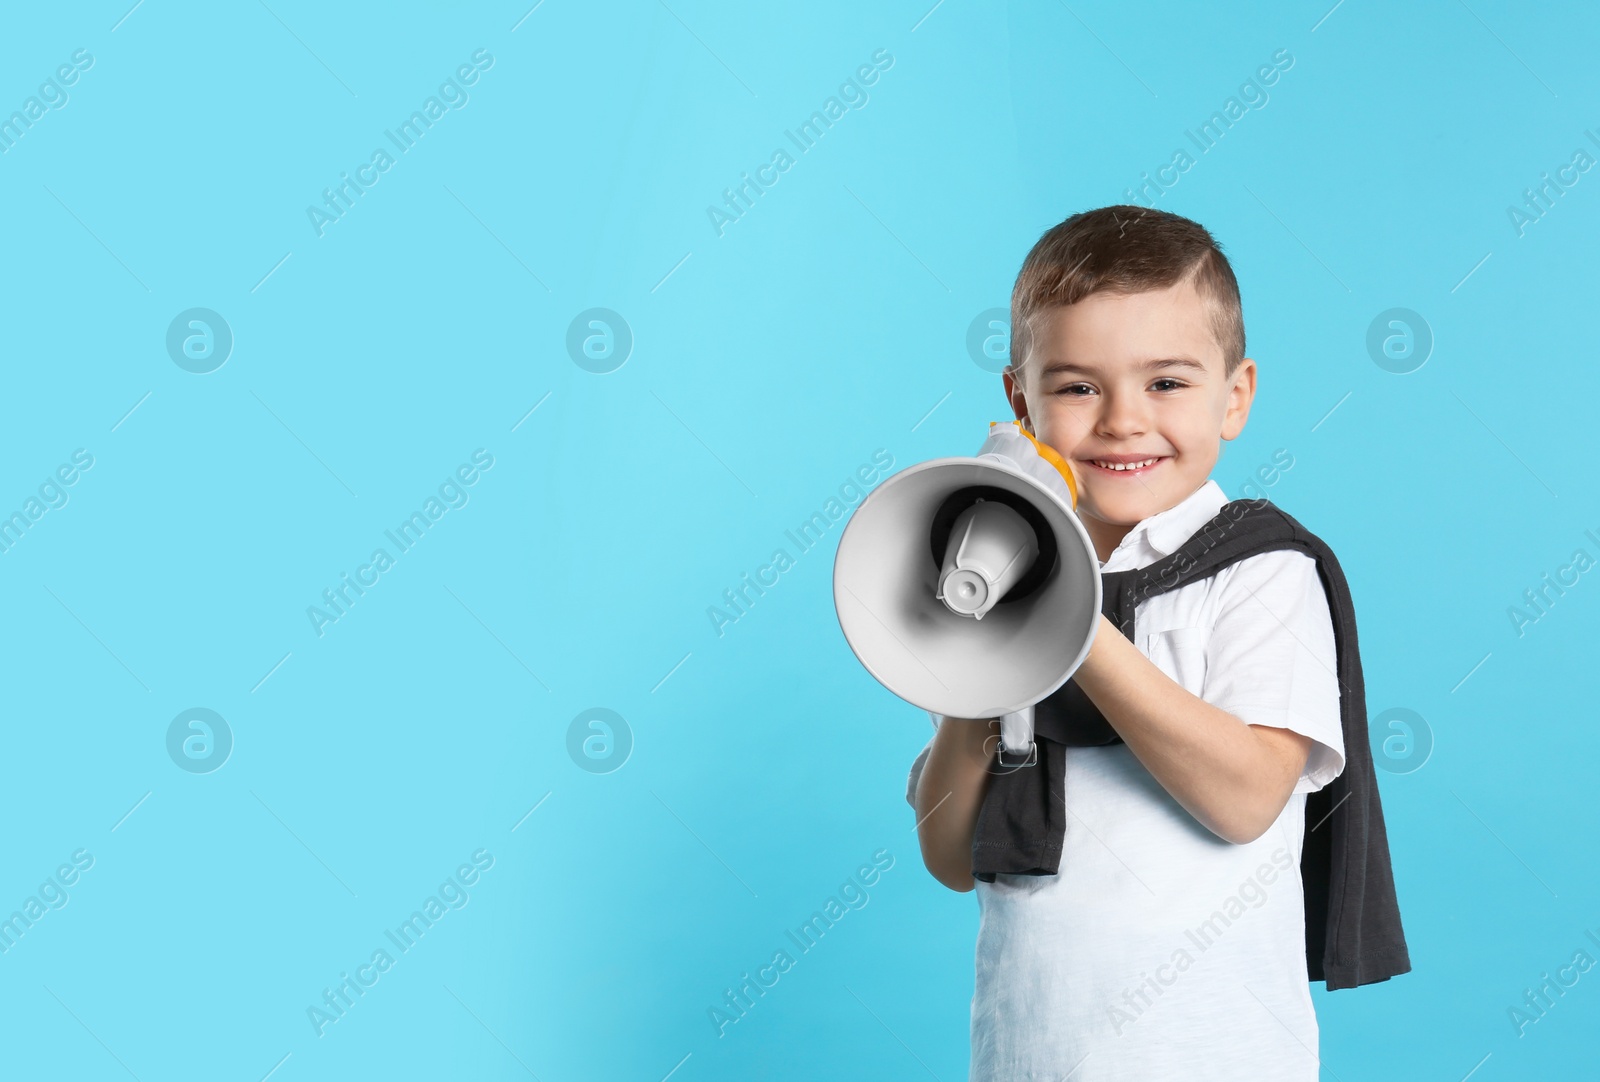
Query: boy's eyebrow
1160, 362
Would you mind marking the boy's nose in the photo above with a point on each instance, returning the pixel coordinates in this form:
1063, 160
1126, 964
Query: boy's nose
1121, 417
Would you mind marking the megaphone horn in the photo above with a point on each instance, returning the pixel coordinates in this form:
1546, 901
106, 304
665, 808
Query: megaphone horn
967, 586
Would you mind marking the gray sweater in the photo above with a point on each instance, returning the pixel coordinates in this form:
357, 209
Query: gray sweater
1353, 931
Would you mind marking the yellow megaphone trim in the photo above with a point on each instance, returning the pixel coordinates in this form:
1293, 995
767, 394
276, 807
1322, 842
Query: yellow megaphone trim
1050, 455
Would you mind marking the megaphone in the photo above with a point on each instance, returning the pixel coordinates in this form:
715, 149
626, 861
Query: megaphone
968, 587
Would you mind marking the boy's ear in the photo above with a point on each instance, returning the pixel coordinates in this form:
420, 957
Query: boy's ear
1240, 395
1015, 396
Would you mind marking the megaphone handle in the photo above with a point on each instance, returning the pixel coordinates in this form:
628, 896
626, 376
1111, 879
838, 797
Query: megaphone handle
1016, 738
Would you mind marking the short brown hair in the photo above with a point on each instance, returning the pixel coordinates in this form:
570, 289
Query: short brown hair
1126, 249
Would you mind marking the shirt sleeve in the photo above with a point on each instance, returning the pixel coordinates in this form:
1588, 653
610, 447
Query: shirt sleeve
1270, 657
919, 762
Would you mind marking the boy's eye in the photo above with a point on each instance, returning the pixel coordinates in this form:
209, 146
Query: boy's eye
1078, 390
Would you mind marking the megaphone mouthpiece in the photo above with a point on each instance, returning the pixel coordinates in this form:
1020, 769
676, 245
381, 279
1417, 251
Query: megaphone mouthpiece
991, 547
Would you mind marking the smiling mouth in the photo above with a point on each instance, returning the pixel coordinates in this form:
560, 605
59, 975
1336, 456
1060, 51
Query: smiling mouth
1141, 466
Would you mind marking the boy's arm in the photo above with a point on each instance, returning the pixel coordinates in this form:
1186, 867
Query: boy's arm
1232, 777
950, 795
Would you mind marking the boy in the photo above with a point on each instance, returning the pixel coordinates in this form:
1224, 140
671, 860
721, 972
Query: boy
1171, 938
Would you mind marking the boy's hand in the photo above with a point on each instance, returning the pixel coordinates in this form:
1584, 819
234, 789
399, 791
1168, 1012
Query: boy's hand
950, 795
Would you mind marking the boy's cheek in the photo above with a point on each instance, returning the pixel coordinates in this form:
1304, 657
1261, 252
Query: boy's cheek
1057, 429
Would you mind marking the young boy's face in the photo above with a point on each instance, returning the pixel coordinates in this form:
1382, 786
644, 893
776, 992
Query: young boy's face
1129, 378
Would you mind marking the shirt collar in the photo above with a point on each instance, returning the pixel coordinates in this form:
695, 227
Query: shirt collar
1166, 531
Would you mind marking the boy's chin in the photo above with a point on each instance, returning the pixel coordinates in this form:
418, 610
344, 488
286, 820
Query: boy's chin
1125, 508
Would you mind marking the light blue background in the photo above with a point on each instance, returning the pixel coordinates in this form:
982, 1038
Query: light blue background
768, 363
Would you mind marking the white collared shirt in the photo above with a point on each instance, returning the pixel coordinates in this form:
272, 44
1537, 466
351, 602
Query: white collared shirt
1162, 950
